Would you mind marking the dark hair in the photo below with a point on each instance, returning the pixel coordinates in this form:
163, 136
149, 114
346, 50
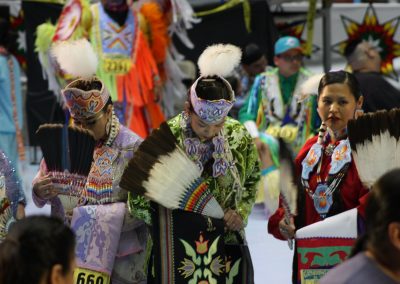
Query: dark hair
340, 77
109, 102
4, 32
33, 246
382, 209
251, 53
351, 47
211, 88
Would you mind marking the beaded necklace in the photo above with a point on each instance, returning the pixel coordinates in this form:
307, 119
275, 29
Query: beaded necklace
223, 158
201, 152
340, 161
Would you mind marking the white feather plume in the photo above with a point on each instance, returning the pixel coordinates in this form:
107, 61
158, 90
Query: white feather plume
219, 59
375, 144
309, 87
76, 58
176, 171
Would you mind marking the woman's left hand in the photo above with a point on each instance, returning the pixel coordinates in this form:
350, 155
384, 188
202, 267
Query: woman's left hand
233, 221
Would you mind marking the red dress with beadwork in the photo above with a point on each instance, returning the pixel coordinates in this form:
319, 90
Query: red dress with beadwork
351, 190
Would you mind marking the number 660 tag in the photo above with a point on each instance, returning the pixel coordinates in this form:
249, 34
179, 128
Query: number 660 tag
86, 276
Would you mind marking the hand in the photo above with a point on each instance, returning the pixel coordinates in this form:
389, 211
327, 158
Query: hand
287, 230
44, 188
264, 153
233, 221
20, 211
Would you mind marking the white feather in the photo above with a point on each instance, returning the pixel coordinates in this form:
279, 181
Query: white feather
309, 87
375, 158
271, 187
219, 59
176, 172
76, 58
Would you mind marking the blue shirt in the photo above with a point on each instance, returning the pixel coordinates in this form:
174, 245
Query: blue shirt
7, 124
357, 270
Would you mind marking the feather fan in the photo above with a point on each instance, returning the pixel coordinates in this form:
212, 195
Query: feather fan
374, 140
68, 153
161, 171
77, 58
219, 60
288, 185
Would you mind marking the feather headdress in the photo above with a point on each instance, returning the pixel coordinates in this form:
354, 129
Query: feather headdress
161, 171
375, 144
216, 61
68, 153
76, 58
219, 60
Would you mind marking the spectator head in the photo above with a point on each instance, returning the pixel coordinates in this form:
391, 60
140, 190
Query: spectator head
288, 55
363, 57
383, 220
254, 61
38, 249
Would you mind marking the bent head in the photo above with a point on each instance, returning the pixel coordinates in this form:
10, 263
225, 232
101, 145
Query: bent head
210, 100
90, 105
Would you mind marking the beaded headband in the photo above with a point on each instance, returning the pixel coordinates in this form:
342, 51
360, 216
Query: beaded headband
211, 111
85, 97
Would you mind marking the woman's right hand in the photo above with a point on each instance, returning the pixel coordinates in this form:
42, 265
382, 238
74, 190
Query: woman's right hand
44, 188
287, 230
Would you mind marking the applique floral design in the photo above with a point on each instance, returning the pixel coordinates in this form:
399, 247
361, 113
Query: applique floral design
311, 160
203, 265
201, 245
340, 156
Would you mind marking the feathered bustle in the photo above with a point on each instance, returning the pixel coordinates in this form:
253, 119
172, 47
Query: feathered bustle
76, 58
309, 87
219, 60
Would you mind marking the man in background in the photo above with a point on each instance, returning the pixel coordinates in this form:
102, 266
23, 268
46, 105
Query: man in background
365, 61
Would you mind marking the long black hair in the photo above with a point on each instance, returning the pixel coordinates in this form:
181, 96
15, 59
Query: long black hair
33, 246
